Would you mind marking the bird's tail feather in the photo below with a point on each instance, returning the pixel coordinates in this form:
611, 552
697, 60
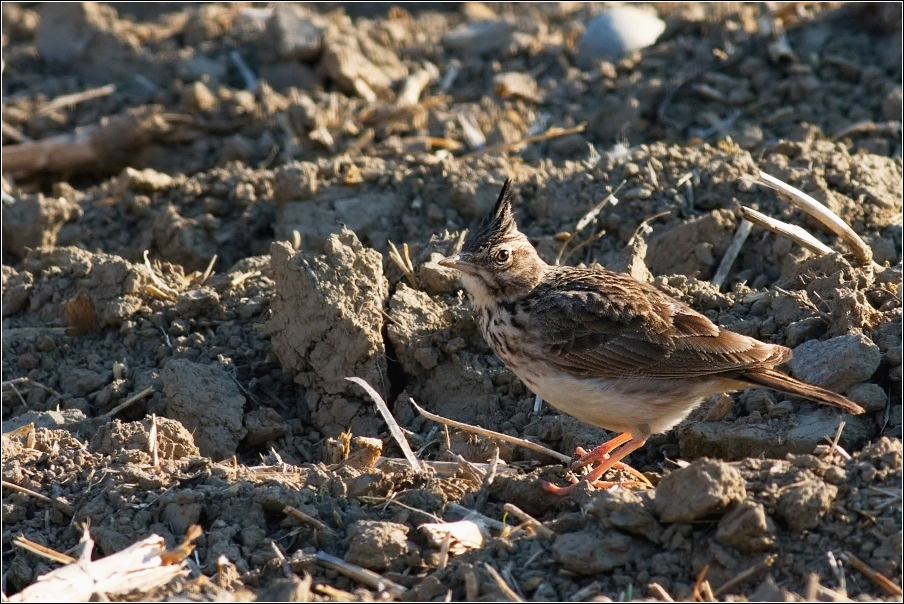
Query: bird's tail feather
776, 380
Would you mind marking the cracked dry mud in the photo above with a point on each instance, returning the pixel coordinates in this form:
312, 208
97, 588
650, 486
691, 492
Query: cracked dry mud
296, 189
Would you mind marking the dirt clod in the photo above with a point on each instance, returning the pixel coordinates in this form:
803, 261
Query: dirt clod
377, 545
705, 487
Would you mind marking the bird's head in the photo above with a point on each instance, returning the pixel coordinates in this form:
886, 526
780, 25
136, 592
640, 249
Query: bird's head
497, 261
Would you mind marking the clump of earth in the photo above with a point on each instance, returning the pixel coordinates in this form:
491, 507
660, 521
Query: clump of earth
255, 210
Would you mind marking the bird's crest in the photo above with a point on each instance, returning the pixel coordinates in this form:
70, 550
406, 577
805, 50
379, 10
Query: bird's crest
495, 225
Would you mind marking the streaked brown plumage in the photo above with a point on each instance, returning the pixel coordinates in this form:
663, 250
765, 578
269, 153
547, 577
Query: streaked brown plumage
603, 347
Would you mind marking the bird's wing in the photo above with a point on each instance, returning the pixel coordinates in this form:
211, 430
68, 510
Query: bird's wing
593, 323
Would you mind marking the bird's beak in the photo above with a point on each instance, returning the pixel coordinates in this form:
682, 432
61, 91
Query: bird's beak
457, 262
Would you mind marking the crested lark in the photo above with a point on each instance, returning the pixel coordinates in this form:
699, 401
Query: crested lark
603, 347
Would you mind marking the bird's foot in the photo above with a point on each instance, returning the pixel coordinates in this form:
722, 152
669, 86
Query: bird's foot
639, 481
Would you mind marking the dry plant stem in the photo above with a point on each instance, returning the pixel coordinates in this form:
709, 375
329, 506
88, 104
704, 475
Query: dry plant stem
545, 136
335, 593
58, 503
361, 575
299, 515
40, 550
127, 403
497, 435
444, 552
746, 574
90, 148
68, 100
27, 380
887, 585
659, 592
537, 526
862, 252
142, 567
791, 231
391, 422
414, 85
166, 289
507, 591
403, 262
474, 516
731, 254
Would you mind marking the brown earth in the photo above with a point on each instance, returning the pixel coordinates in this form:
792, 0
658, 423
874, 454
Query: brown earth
265, 210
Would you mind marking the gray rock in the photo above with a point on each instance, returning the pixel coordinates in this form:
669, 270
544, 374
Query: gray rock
837, 363
747, 528
293, 36
869, 396
892, 105
617, 32
588, 553
705, 487
479, 37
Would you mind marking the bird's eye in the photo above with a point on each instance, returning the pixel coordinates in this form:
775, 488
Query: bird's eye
502, 256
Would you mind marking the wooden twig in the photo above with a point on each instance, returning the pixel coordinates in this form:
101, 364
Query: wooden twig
734, 248
27, 380
68, 100
862, 252
414, 85
127, 403
537, 526
361, 575
505, 147
791, 231
873, 575
746, 574
299, 515
95, 147
394, 428
58, 503
507, 591
497, 435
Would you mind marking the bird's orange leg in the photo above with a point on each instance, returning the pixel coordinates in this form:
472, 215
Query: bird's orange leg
612, 460
600, 453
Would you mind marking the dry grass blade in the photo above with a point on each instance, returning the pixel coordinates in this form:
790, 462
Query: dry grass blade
873, 575
507, 591
299, 515
537, 526
394, 428
361, 575
747, 574
505, 147
731, 254
169, 292
58, 503
659, 592
403, 261
43, 551
862, 252
791, 231
497, 435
